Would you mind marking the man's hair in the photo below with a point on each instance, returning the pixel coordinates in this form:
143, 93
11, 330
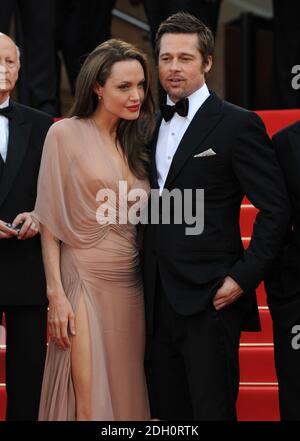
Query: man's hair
184, 23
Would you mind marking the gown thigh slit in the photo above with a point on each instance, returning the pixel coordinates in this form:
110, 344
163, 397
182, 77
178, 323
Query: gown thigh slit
81, 365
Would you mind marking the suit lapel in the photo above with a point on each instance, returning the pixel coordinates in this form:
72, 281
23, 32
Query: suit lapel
202, 124
19, 132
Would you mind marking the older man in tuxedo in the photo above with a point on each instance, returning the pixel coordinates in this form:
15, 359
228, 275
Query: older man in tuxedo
22, 283
200, 289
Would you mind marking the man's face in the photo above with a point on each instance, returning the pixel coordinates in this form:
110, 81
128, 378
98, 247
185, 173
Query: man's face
181, 66
9, 66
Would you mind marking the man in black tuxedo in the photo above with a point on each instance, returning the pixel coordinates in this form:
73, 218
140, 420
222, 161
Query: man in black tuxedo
22, 283
283, 282
200, 288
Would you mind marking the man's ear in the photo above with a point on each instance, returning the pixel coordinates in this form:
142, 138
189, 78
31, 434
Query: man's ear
207, 66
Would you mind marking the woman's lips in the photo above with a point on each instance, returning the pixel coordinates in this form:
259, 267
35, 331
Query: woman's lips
133, 108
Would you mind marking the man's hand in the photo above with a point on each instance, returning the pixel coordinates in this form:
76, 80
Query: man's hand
6, 232
228, 293
29, 228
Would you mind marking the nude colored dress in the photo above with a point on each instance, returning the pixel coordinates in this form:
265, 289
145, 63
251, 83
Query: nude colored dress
99, 262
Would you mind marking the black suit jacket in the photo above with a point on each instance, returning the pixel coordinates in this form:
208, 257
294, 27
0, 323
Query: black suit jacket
22, 280
192, 267
283, 281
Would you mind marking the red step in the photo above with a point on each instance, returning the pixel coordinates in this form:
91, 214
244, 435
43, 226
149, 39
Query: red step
261, 295
2, 402
2, 365
246, 241
255, 338
255, 403
275, 120
263, 337
258, 403
245, 201
247, 217
257, 364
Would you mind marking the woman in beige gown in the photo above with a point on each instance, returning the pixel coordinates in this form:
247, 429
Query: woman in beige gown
94, 367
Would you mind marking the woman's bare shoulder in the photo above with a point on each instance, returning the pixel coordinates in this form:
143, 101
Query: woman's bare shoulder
67, 127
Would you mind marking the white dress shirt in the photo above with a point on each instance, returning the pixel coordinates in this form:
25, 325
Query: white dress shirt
4, 131
171, 133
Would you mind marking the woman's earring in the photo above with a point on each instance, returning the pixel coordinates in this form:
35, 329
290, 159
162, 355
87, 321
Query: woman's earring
99, 97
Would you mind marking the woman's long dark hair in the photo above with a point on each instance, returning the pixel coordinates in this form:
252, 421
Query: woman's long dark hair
133, 135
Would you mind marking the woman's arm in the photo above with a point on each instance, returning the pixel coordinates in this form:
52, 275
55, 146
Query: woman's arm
60, 314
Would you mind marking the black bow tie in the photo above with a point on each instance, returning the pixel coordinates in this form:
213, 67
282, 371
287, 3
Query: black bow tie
181, 107
7, 111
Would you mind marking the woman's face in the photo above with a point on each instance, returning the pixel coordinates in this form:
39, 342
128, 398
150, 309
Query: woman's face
123, 92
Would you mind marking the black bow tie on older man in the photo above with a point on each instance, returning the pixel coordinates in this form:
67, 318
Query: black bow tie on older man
181, 107
7, 111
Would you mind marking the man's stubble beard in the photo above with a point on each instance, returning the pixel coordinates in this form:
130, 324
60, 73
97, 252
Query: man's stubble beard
178, 97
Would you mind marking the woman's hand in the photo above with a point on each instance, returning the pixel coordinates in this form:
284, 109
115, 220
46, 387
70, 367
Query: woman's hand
61, 319
28, 228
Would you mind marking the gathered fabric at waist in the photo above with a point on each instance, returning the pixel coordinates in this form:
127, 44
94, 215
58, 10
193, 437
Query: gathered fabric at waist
114, 258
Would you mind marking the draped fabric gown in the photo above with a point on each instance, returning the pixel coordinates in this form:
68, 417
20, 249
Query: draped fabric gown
100, 262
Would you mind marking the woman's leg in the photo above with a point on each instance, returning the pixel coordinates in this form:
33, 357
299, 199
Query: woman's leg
81, 364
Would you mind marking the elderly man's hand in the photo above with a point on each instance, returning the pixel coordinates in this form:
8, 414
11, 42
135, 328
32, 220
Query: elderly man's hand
28, 226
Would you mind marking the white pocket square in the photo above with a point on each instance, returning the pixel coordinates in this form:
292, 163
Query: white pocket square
209, 152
